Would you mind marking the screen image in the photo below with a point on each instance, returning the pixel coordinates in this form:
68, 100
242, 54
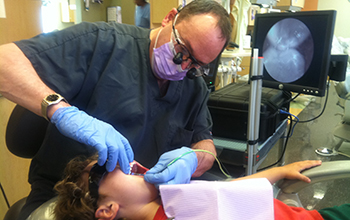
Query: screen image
296, 49
288, 49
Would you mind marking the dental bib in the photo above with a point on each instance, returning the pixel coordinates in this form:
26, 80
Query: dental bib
243, 199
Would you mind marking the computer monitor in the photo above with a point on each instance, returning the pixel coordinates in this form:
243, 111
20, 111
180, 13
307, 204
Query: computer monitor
296, 48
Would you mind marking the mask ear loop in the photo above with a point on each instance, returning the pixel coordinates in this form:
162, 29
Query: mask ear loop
178, 57
155, 43
154, 47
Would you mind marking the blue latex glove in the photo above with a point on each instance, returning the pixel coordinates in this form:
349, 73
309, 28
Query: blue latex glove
178, 172
109, 143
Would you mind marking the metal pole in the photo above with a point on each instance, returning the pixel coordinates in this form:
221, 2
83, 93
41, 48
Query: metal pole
254, 111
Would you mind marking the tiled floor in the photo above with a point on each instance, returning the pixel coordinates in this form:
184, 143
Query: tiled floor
307, 137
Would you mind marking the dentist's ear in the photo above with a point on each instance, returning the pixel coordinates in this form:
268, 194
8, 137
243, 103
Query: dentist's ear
169, 17
107, 212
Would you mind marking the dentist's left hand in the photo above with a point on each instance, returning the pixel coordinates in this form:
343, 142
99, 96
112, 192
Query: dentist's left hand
109, 143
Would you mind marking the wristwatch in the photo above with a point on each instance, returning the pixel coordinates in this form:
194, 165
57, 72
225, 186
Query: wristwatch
51, 99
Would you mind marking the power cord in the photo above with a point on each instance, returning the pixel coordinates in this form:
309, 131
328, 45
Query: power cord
284, 147
291, 127
290, 114
5, 197
346, 155
291, 99
324, 106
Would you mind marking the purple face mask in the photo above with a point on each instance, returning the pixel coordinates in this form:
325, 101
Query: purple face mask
162, 62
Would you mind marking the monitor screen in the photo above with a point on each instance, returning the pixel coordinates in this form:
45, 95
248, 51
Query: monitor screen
296, 48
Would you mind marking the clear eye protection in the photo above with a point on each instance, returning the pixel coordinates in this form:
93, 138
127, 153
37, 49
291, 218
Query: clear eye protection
181, 54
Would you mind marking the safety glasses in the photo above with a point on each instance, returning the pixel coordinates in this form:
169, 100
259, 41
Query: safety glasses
97, 172
95, 176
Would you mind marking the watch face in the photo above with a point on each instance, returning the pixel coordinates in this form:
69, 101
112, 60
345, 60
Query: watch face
52, 97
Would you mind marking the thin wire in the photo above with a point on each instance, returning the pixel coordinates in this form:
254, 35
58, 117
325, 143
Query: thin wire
177, 158
291, 99
292, 128
284, 148
288, 113
200, 150
324, 106
5, 197
217, 160
346, 155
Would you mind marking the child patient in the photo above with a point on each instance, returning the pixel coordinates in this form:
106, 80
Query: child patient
88, 192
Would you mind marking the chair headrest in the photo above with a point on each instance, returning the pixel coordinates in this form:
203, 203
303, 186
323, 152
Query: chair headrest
25, 132
45, 211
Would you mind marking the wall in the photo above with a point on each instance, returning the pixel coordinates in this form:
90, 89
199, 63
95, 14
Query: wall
53, 17
23, 20
98, 12
343, 8
159, 9
310, 5
128, 10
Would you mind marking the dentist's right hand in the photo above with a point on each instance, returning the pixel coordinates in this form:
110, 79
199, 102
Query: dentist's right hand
109, 143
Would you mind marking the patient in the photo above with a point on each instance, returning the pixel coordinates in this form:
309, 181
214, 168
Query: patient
88, 192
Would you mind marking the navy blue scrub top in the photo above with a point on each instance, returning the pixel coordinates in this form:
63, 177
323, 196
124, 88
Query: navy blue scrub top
104, 70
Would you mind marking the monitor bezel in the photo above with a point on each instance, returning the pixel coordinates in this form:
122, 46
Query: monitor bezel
320, 89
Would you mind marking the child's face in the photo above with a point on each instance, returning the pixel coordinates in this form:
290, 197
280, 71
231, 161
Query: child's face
126, 189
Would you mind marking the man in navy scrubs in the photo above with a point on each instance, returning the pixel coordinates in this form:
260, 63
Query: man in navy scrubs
119, 90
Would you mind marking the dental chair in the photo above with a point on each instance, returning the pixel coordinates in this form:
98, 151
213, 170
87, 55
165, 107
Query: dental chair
25, 133
287, 190
338, 72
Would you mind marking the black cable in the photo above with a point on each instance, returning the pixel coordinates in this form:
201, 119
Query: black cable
324, 106
291, 99
5, 197
284, 148
290, 126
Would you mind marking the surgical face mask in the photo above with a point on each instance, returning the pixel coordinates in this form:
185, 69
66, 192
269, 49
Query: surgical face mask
162, 62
